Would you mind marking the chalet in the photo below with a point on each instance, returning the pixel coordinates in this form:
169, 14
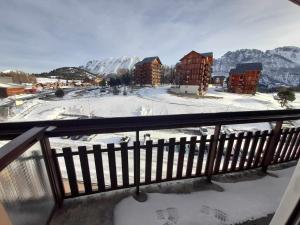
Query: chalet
194, 72
244, 78
10, 90
148, 71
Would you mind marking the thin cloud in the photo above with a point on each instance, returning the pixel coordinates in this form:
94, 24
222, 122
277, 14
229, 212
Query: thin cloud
40, 35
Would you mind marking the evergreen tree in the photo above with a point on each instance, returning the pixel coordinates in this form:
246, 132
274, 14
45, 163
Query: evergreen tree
284, 96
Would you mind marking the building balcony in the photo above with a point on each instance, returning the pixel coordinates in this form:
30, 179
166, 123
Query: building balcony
44, 184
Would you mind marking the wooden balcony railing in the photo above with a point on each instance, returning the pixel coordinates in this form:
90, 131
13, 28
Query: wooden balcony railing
87, 170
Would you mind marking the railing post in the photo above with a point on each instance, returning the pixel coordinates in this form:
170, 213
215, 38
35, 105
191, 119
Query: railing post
55, 182
138, 196
212, 153
137, 135
272, 146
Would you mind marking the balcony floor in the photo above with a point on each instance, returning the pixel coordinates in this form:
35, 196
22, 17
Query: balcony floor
100, 209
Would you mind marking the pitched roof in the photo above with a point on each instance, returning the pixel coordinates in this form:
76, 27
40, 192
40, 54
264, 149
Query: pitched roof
206, 54
243, 67
249, 66
149, 60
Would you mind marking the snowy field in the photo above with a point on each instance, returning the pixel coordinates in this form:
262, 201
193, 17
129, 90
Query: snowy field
149, 101
239, 202
141, 102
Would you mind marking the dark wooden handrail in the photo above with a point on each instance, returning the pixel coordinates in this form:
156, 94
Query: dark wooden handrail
262, 153
127, 124
13, 149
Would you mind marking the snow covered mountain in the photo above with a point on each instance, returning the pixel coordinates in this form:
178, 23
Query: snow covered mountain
110, 65
280, 65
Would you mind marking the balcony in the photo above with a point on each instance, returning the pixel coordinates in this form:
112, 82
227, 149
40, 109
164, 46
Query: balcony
42, 184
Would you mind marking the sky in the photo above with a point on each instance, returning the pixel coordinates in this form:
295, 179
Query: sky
41, 35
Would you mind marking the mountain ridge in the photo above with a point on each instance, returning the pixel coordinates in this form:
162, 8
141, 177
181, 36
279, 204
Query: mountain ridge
110, 65
281, 66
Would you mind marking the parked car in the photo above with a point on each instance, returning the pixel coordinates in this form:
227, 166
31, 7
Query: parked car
76, 137
88, 137
125, 139
147, 137
203, 131
228, 131
65, 137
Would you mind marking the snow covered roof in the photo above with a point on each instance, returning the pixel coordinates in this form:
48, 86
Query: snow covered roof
243, 67
44, 80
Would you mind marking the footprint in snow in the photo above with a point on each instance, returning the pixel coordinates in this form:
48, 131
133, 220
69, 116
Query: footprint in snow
167, 216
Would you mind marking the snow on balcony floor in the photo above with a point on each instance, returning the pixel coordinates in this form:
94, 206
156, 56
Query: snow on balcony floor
239, 202
231, 199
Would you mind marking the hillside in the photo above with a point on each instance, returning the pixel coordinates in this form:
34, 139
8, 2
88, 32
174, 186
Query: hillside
69, 73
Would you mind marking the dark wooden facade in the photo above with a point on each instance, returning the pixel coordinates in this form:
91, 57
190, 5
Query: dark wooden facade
195, 69
10, 91
148, 71
244, 78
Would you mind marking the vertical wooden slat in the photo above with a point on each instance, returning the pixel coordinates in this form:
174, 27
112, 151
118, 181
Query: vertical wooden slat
85, 169
245, 150
287, 144
181, 157
208, 156
219, 153
280, 146
237, 150
99, 167
292, 145
201, 155
251, 155
269, 153
295, 147
148, 162
212, 153
159, 161
136, 156
258, 155
68, 156
59, 177
228, 153
191, 156
53, 171
170, 158
112, 165
124, 157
